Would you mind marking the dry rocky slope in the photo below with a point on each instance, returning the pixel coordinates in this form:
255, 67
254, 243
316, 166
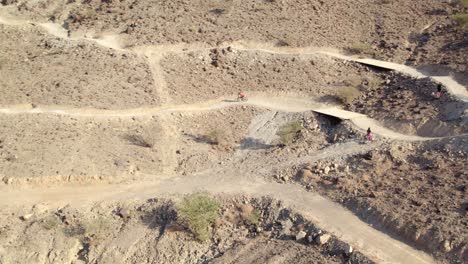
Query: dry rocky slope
59, 78
153, 232
399, 29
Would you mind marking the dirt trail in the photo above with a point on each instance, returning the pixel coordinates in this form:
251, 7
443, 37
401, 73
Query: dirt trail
325, 213
113, 41
285, 104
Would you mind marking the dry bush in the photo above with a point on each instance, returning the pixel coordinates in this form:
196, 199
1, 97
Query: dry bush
374, 83
360, 48
198, 212
288, 131
462, 20
94, 229
146, 138
463, 3
348, 94
50, 223
216, 137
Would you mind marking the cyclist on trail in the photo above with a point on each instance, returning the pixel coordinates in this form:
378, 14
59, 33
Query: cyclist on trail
438, 94
369, 135
241, 96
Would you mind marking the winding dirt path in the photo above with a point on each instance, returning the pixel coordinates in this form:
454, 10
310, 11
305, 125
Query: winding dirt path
325, 213
284, 104
113, 41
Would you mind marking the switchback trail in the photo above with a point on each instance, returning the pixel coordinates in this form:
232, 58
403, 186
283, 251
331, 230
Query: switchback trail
113, 41
285, 104
327, 214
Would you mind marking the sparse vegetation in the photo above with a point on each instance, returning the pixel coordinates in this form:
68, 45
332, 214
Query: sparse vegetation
463, 3
215, 137
462, 20
50, 223
281, 43
348, 94
288, 132
374, 83
199, 211
254, 218
95, 228
74, 230
360, 48
146, 139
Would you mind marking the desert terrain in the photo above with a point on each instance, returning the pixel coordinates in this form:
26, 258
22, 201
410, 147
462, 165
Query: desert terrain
122, 139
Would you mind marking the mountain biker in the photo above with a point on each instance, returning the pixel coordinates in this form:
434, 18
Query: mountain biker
438, 94
369, 135
241, 96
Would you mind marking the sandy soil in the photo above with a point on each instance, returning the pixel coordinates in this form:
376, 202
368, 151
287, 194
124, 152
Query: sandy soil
220, 72
39, 69
57, 148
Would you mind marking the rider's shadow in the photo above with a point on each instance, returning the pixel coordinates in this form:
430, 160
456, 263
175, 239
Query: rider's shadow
229, 101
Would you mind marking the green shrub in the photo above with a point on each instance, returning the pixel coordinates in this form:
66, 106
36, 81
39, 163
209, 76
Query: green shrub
198, 212
348, 94
288, 131
254, 218
461, 19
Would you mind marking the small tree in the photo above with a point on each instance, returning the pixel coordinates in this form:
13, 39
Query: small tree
288, 132
199, 212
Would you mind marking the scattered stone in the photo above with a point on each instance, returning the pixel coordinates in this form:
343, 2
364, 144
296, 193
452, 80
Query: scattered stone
348, 250
305, 173
346, 169
286, 227
40, 209
300, 235
322, 239
124, 213
446, 246
326, 170
26, 217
